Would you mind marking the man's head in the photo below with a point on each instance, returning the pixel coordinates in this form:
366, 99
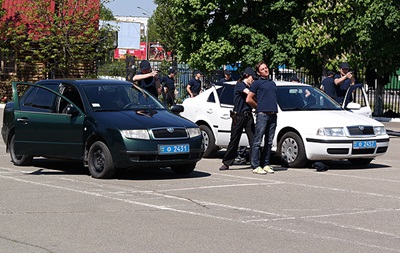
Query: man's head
344, 67
249, 72
171, 71
227, 74
198, 74
145, 66
295, 79
262, 69
330, 73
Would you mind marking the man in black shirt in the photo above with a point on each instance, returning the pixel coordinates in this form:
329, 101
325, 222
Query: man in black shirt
148, 78
242, 117
168, 83
328, 85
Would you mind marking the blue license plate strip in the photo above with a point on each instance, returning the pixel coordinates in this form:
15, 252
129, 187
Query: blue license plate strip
364, 144
173, 149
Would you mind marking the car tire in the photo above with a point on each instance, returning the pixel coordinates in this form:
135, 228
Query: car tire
19, 160
360, 161
291, 150
183, 169
100, 161
210, 149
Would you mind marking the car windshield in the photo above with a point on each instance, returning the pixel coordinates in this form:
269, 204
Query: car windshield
304, 98
120, 97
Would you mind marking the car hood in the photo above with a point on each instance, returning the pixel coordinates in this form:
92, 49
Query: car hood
143, 119
310, 121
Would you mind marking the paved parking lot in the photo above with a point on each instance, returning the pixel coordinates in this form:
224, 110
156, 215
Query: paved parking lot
56, 206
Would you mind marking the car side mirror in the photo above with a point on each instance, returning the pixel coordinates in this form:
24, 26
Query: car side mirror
176, 109
71, 110
353, 106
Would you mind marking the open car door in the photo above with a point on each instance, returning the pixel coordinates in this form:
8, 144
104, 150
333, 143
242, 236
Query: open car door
356, 100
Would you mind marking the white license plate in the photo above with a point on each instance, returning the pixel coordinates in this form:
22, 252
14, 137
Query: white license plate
364, 144
174, 149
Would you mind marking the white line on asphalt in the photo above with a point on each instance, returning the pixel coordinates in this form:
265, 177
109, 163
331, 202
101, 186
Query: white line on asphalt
166, 208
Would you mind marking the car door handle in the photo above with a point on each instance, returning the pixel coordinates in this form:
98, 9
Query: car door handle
225, 116
23, 120
209, 111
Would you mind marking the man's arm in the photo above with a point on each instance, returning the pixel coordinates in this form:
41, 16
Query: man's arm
250, 99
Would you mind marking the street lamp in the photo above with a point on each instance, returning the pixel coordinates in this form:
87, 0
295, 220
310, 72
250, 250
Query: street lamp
146, 30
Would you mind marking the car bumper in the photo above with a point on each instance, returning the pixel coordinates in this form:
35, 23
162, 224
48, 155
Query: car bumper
330, 149
148, 154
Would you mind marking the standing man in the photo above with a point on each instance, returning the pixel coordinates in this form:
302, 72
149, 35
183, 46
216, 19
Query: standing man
168, 83
194, 85
227, 76
242, 118
343, 81
148, 79
328, 85
263, 97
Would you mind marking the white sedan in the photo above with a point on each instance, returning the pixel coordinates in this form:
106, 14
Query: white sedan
309, 128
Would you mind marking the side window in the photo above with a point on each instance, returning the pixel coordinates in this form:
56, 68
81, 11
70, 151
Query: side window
211, 98
39, 100
226, 94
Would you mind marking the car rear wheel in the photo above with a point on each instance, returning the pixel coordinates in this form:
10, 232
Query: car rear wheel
100, 161
360, 161
210, 149
183, 169
17, 159
291, 150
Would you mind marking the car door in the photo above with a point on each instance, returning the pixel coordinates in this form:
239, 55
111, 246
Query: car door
225, 99
41, 129
356, 100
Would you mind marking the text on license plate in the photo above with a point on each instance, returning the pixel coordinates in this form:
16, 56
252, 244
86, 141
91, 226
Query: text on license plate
364, 144
173, 149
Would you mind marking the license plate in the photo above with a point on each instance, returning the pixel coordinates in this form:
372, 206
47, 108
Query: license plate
174, 149
364, 144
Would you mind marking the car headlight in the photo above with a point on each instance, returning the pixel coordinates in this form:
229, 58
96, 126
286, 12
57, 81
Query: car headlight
136, 134
331, 131
379, 130
193, 132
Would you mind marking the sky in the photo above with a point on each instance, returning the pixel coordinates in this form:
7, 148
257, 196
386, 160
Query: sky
130, 7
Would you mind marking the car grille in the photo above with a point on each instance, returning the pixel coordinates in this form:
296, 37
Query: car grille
169, 133
361, 130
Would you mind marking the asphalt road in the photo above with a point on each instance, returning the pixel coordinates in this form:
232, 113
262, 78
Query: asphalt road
56, 206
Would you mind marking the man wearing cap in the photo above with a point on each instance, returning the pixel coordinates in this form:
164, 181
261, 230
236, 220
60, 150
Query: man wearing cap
148, 78
263, 97
328, 84
343, 80
194, 85
242, 118
227, 76
168, 83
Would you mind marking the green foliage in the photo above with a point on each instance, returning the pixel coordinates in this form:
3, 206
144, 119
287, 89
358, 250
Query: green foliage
62, 38
115, 68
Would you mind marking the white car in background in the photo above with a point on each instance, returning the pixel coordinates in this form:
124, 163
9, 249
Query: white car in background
308, 129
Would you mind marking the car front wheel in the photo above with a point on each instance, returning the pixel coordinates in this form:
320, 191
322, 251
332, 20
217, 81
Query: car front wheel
18, 159
183, 169
100, 161
210, 149
291, 150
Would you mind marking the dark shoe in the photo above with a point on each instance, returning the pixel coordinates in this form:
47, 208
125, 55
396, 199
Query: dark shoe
224, 167
239, 161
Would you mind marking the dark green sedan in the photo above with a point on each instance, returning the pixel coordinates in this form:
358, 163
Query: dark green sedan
107, 124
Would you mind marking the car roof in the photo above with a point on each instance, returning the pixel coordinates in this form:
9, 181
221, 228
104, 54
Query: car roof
278, 83
85, 81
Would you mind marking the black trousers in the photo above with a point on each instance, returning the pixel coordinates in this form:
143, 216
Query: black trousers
243, 121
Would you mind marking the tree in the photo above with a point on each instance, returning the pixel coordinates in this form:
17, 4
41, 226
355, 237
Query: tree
62, 34
360, 32
208, 34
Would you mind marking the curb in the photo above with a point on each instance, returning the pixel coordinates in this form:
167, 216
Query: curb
384, 119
